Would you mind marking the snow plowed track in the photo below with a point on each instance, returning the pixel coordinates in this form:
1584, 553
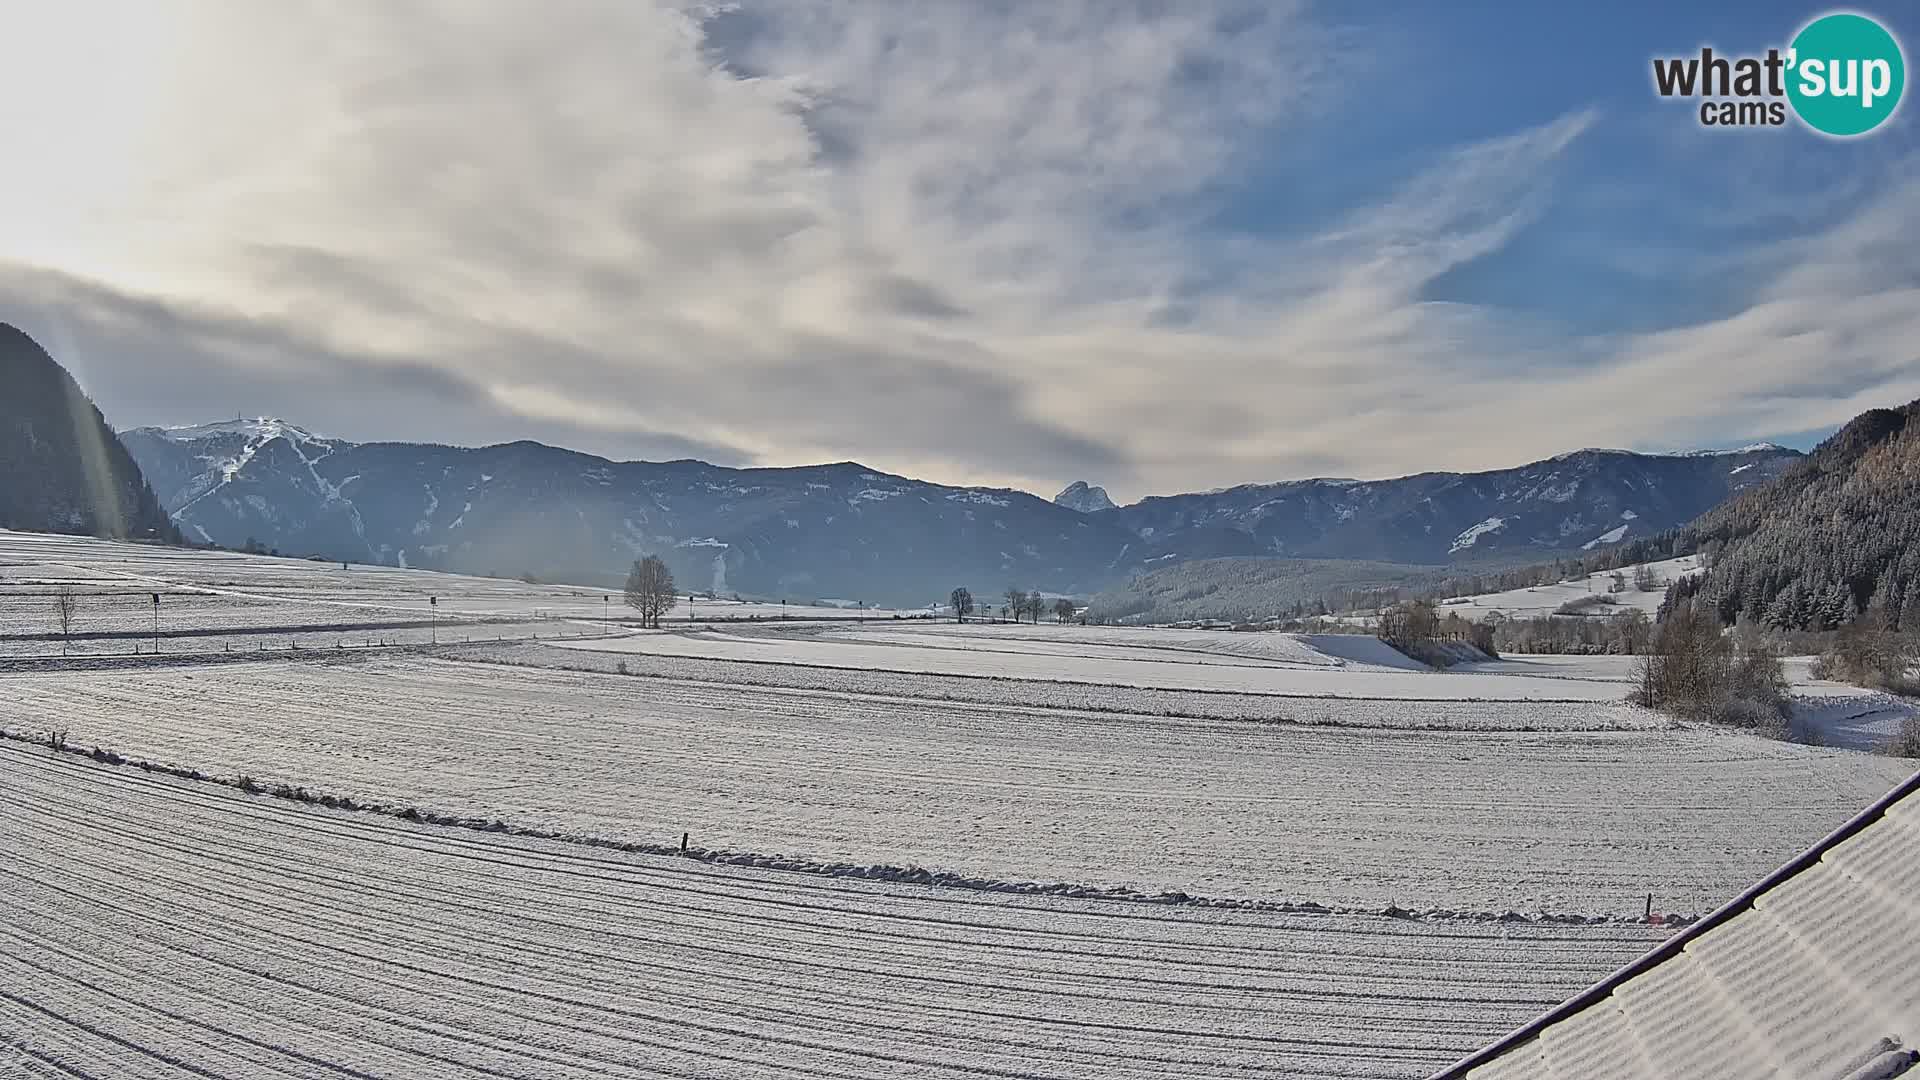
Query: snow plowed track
166, 928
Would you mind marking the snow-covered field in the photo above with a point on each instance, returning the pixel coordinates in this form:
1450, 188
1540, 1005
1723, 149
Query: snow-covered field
1546, 599
1298, 667
214, 601
1563, 822
161, 928
1828, 713
1442, 714
164, 927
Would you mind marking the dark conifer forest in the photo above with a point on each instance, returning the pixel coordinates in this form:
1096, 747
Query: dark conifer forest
62, 469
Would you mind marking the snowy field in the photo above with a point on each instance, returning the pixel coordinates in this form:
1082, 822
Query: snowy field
1546, 599
1440, 714
1274, 794
1828, 713
160, 928
215, 601
1316, 666
1561, 822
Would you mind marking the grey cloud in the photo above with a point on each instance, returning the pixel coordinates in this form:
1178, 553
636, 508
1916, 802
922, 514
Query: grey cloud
148, 362
917, 298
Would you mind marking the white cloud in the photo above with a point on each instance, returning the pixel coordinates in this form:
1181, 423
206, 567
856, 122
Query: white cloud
955, 240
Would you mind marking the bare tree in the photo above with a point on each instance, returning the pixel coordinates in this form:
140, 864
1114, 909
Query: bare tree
650, 590
962, 601
1036, 606
1648, 674
1016, 603
65, 603
1063, 610
1635, 632
1644, 580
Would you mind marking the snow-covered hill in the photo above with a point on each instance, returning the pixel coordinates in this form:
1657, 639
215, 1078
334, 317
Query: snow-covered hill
1577, 501
1548, 599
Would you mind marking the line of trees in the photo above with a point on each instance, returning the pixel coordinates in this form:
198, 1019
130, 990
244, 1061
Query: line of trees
1020, 604
1025, 605
1414, 625
1628, 633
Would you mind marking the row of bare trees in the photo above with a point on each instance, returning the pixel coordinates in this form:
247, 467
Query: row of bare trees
1020, 604
1033, 606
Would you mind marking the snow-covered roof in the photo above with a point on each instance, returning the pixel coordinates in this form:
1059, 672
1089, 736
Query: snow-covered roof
1808, 975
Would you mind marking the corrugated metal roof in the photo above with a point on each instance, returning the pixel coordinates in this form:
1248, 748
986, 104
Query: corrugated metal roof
1812, 974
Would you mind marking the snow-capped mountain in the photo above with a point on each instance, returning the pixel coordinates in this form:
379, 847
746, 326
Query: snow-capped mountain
1087, 500
523, 508
850, 531
1574, 501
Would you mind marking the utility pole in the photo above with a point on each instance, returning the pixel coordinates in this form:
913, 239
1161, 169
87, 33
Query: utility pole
156, 623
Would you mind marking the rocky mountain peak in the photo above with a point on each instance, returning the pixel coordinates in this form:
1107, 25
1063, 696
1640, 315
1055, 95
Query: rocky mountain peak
1079, 496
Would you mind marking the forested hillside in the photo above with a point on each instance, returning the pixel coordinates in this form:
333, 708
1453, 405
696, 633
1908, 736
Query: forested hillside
1834, 537
62, 469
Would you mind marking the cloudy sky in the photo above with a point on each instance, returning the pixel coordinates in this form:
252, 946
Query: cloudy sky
1159, 246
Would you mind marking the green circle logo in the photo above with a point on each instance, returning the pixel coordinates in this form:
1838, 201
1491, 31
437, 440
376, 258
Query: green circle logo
1845, 74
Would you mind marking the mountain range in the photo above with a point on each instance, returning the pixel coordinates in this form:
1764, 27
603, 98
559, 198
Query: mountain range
824, 531
848, 531
838, 531
1577, 501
